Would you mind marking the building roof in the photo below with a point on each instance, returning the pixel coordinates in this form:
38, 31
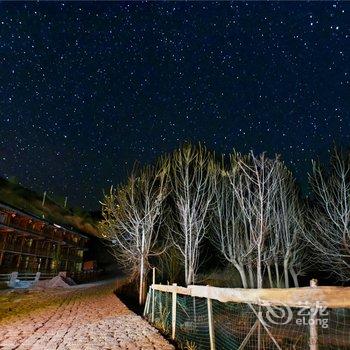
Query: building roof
29, 203
32, 216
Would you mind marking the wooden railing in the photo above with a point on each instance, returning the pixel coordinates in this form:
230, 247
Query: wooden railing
332, 297
12, 278
5, 277
314, 299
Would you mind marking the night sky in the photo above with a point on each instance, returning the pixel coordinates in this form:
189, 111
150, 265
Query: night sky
87, 89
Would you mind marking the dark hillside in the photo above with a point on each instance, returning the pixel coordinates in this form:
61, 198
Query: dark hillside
29, 201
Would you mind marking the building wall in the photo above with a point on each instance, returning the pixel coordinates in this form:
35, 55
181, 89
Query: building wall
28, 244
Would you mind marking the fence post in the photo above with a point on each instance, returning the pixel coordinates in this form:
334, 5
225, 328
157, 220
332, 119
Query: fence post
173, 314
211, 324
13, 278
37, 277
146, 310
153, 283
160, 303
313, 321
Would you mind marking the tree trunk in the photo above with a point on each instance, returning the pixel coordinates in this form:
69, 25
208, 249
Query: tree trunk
258, 269
270, 275
142, 292
189, 276
294, 276
142, 289
251, 275
242, 274
278, 285
286, 275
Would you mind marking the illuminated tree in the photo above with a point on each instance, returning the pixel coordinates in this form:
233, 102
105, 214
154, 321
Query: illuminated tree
132, 218
288, 244
258, 219
192, 171
331, 216
231, 233
255, 186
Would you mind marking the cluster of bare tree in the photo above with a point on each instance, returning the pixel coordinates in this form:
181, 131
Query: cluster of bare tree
330, 217
132, 219
258, 220
248, 206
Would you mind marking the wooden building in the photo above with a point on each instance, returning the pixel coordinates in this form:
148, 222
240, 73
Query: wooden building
31, 244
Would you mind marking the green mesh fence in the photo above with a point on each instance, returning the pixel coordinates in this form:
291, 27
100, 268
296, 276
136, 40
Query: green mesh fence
333, 329
237, 325
192, 321
162, 311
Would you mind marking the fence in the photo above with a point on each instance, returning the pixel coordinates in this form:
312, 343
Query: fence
203, 317
24, 279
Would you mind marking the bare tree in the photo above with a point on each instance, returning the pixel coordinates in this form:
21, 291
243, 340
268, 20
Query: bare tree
256, 191
331, 216
289, 227
231, 234
132, 217
192, 170
258, 220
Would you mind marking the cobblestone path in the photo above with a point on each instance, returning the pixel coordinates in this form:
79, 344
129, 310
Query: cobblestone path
76, 319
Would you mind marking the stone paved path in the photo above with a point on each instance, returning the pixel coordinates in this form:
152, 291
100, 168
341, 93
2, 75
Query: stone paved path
77, 319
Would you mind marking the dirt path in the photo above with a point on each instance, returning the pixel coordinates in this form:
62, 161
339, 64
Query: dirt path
77, 318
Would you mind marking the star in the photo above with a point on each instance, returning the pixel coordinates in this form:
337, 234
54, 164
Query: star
88, 89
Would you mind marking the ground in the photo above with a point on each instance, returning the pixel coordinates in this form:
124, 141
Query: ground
78, 318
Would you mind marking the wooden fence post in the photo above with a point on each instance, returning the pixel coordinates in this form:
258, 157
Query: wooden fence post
153, 283
173, 314
211, 324
313, 321
148, 298
37, 277
13, 278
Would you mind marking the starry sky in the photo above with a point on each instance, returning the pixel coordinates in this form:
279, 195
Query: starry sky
88, 88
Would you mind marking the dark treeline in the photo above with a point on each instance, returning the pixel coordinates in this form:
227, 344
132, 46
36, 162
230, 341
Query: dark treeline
194, 211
